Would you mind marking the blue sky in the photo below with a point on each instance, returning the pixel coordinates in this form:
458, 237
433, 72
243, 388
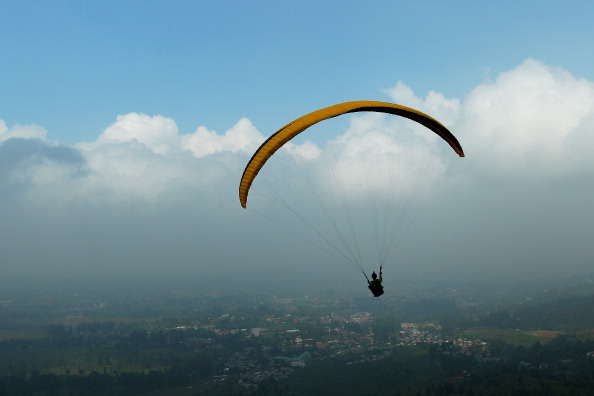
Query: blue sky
125, 126
71, 66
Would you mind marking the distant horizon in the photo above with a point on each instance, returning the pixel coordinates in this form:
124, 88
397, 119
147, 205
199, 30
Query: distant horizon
285, 282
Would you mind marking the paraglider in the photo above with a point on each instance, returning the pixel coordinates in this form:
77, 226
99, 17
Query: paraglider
375, 284
294, 128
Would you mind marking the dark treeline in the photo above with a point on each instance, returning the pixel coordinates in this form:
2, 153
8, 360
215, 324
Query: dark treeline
559, 368
103, 383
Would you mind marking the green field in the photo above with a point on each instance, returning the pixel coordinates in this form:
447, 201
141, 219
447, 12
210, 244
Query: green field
514, 337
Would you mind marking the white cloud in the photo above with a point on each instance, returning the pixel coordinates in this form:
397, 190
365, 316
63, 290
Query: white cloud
21, 131
242, 137
435, 104
528, 122
122, 172
388, 150
532, 120
157, 133
144, 157
307, 150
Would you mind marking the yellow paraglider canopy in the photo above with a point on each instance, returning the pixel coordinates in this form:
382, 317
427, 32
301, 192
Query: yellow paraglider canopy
292, 129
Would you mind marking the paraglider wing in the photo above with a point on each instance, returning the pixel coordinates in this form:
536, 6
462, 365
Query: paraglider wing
292, 129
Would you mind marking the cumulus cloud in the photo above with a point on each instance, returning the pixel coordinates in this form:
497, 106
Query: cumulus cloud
532, 120
157, 133
242, 137
528, 122
145, 157
161, 135
21, 131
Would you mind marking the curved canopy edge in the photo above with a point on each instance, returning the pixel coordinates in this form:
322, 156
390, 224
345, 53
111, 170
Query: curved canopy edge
292, 129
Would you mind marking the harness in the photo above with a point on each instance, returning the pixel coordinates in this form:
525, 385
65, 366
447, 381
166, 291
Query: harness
375, 285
